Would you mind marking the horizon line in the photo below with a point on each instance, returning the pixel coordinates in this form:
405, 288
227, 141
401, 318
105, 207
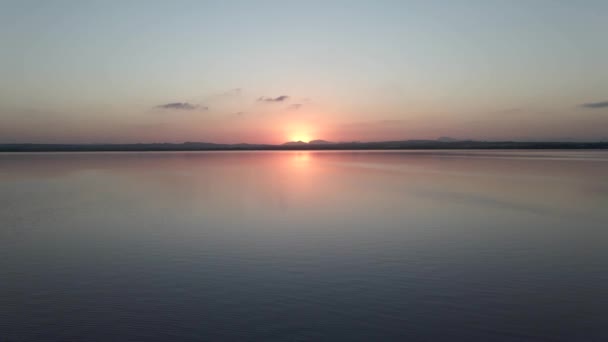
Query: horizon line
443, 140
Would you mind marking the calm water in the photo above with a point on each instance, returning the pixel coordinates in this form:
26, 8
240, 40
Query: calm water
304, 246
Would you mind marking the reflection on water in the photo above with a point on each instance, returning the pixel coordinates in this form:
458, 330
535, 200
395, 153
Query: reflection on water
410, 245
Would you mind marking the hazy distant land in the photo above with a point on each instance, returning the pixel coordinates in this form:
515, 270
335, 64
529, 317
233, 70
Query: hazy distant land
442, 143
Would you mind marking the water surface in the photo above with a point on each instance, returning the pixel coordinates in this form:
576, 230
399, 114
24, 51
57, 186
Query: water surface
303, 246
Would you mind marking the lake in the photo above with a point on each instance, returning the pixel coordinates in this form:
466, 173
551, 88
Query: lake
304, 246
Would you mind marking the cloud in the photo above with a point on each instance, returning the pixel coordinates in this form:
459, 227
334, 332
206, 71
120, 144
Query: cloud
281, 98
181, 106
294, 106
595, 105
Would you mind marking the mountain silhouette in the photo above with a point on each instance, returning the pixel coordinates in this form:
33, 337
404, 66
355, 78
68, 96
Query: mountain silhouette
295, 143
319, 142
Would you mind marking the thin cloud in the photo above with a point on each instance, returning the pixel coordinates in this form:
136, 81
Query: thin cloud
294, 106
181, 106
281, 98
595, 105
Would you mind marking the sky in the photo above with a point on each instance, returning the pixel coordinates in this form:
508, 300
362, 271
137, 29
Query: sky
275, 71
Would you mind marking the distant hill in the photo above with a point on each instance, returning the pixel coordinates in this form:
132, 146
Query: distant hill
319, 142
447, 139
303, 143
295, 143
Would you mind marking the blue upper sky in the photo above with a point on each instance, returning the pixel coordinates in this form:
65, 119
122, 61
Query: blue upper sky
126, 71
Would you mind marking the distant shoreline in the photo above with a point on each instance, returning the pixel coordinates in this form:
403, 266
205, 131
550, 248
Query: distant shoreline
383, 145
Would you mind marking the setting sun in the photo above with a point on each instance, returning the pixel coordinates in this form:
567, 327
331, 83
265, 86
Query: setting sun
300, 137
299, 132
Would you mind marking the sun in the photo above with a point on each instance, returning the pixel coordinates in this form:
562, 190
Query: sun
298, 132
300, 137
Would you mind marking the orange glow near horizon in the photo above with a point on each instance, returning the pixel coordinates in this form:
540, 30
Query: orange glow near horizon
299, 132
300, 137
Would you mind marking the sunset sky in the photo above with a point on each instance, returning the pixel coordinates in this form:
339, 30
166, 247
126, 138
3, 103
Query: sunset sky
274, 71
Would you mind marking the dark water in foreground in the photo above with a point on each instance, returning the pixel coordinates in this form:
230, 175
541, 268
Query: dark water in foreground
304, 246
